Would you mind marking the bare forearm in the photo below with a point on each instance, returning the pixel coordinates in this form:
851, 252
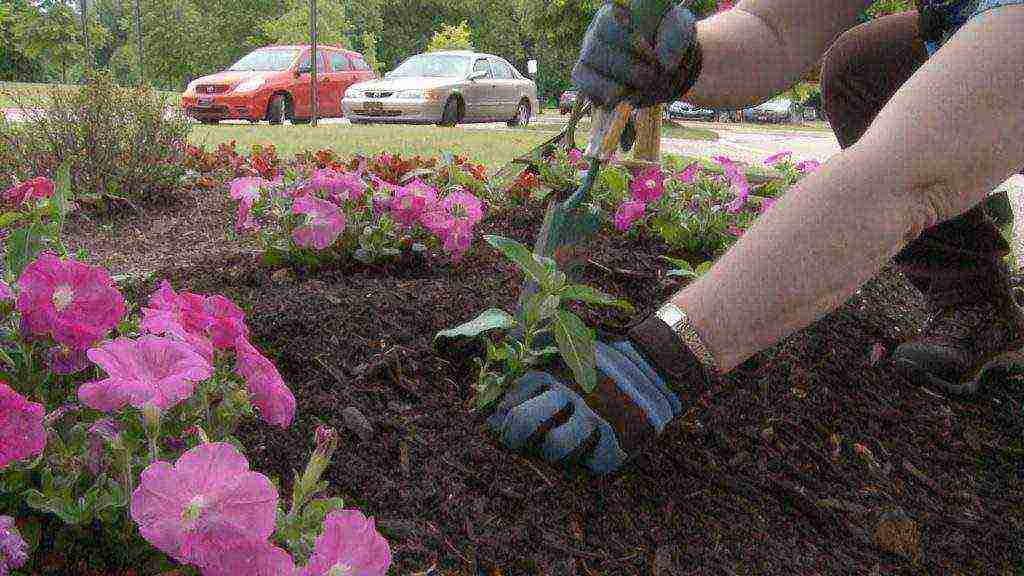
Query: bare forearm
839, 226
762, 47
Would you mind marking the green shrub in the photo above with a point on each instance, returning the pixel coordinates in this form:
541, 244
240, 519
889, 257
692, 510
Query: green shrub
122, 145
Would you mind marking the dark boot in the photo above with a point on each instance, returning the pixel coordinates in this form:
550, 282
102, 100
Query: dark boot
976, 330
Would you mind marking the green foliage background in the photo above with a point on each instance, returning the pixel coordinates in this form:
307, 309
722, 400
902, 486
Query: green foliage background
42, 40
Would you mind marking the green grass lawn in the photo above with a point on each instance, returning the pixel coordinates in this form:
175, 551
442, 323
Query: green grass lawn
491, 148
11, 93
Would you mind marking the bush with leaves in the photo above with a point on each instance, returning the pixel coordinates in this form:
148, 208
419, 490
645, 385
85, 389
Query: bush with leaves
123, 145
124, 422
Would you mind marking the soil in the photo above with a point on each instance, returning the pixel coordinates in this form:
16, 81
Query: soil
807, 459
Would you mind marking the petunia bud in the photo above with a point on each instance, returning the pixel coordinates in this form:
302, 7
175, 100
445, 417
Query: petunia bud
151, 420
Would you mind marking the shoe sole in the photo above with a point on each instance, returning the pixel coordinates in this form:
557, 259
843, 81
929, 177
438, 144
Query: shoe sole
1004, 366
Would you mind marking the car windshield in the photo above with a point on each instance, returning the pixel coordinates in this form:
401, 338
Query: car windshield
266, 60
432, 66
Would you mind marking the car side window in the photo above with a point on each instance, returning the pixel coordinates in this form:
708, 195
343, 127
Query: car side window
483, 66
501, 70
340, 63
321, 64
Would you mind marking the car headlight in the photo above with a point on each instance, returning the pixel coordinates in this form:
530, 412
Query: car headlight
250, 85
191, 88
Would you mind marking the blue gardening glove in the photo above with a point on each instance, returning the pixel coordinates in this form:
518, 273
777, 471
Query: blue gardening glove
646, 54
629, 407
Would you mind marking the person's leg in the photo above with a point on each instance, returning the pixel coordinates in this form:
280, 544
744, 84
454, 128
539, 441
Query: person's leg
957, 265
946, 138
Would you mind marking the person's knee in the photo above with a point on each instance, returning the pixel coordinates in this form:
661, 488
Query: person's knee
838, 68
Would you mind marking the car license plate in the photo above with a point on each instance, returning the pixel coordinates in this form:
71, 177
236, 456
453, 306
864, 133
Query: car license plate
204, 103
373, 106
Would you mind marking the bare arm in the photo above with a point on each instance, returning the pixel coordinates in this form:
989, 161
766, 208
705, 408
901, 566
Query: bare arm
836, 228
762, 47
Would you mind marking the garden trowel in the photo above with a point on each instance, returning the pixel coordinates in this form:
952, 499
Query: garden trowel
569, 221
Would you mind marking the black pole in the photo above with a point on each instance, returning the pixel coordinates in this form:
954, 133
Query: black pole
314, 60
85, 35
138, 35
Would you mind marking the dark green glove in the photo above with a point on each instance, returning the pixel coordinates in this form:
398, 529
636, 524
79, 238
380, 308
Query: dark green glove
646, 54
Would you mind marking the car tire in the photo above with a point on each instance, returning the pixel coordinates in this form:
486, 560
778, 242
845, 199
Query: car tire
301, 121
277, 109
451, 115
209, 122
522, 117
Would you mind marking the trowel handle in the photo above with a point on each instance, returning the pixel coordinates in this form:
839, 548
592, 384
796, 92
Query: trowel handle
606, 131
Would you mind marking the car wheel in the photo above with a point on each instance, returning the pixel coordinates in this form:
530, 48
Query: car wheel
522, 117
276, 109
209, 122
299, 121
450, 116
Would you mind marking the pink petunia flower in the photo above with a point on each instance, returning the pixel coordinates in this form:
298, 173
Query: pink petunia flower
737, 179
324, 223
628, 213
246, 188
205, 505
151, 370
63, 360
339, 186
29, 190
779, 158
689, 174
177, 314
72, 302
251, 558
649, 185
767, 204
452, 221
349, 544
734, 231
227, 322
270, 395
13, 548
247, 191
22, 434
808, 166
5, 292
411, 201
463, 206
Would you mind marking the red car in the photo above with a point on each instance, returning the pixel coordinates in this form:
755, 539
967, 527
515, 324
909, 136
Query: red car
273, 84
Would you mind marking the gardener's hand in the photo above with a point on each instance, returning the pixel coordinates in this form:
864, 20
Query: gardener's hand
630, 406
647, 54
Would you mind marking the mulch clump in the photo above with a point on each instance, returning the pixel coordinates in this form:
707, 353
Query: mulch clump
807, 460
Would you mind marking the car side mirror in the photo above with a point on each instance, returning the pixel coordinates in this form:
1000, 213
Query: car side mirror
476, 75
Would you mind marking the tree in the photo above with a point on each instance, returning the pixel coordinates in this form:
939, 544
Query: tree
50, 32
292, 27
369, 44
451, 38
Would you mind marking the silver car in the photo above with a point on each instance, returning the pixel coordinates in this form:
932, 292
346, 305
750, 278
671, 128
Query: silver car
445, 88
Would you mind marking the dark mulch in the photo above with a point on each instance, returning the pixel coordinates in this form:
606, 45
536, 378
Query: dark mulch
760, 477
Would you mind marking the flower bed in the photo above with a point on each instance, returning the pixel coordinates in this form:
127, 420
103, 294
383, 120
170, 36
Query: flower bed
789, 467
95, 404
